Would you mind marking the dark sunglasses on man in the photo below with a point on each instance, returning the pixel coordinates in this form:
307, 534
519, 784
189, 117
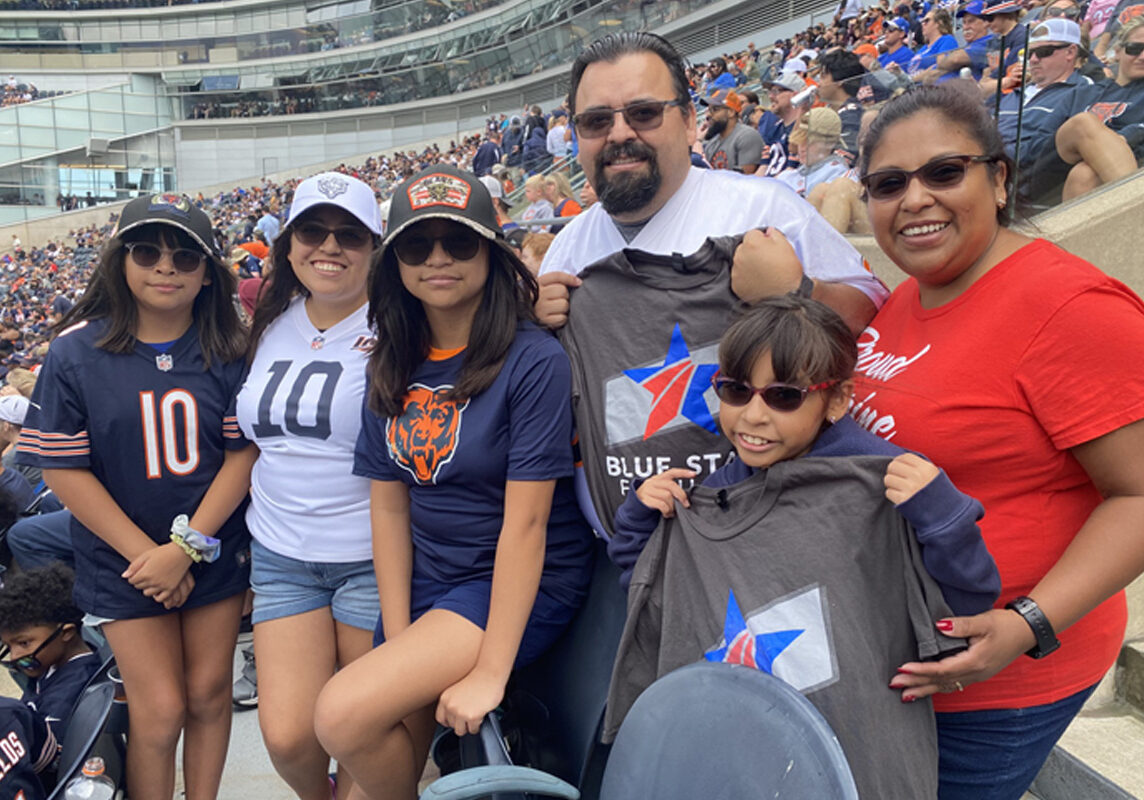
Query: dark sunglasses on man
642, 115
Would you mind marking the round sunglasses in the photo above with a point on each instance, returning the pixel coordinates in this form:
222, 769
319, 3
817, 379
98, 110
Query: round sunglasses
350, 237
415, 247
778, 396
147, 255
642, 115
945, 172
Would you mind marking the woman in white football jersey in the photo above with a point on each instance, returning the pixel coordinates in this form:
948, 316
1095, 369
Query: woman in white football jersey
315, 592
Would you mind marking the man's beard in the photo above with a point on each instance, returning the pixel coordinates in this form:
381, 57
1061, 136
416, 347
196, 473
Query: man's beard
715, 128
628, 191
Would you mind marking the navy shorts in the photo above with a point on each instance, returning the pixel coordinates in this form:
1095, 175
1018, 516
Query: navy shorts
100, 591
470, 600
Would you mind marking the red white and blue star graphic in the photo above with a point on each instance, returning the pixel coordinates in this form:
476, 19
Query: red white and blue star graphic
677, 387
741, 646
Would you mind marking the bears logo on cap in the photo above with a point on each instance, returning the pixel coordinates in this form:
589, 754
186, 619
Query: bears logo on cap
332, 185
438, 189
174, 203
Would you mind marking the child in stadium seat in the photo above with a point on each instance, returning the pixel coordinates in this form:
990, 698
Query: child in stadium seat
41, 629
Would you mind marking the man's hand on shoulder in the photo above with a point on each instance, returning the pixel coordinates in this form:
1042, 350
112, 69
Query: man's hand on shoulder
764, 265
552, 304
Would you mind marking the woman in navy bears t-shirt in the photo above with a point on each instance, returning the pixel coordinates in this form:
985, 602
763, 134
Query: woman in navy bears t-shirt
481, 554
129, 424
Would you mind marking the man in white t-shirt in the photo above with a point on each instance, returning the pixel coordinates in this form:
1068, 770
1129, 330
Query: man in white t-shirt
636, 124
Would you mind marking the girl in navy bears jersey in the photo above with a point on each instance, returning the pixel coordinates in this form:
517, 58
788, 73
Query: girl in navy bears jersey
311, 568
129, 425
481, 554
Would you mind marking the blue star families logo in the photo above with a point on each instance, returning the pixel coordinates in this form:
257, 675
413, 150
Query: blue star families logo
647, 400
789, 638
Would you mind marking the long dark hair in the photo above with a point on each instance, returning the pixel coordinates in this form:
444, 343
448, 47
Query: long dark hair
808, 342
221, 334
281, 286
958, 106
403, 330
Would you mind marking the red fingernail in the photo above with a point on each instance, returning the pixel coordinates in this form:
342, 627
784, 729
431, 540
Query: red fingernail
904, 671
944, 624
909, 699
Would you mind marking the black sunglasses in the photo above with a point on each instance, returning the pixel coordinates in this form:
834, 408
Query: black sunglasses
642, 115
28, 663
1133, 49
147, 255
414, 247
351, 237
1045, 50
941, 173
778, 396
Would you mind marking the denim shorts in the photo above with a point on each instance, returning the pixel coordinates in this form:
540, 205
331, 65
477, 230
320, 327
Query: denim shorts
284, 586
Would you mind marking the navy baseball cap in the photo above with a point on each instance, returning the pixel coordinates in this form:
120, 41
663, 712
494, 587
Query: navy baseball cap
175, 210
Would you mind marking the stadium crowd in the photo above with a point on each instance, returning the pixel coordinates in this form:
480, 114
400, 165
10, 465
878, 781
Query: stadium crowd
905, 121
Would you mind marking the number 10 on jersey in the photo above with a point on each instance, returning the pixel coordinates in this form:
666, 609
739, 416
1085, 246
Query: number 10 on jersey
161, 438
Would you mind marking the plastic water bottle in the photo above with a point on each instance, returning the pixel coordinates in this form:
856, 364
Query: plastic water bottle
92, 784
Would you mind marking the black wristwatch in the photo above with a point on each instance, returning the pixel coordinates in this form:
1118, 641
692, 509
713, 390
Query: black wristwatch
1047, 640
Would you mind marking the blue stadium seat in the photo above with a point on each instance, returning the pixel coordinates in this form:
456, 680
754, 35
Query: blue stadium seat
705, 730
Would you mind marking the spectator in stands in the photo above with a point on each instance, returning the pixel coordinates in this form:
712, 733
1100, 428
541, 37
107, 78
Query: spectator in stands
558, 192
728, 144
1054, 50
878, 83
41, 629
513, 145
897, 52
533, 249
818, 137
488, 154
1125, 11
536, 155
937, 28
717, 75
1004, 16
1106, 140
13, 409
777, 123
978, 39
637, 158
838, 84
558, 141
538, 206
1017, 314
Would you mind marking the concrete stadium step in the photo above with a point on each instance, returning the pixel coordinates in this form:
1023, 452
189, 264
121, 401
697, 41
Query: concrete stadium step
1101, 753
1098, 758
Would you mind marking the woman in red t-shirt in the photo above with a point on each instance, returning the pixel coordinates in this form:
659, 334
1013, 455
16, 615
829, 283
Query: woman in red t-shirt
1002, 357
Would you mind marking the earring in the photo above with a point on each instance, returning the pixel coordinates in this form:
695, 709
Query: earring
1001, 202
831, 418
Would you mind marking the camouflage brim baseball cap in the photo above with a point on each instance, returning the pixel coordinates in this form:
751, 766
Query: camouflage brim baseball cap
175, 210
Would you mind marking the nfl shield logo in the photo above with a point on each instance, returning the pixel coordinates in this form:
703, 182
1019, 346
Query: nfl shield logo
164, 362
